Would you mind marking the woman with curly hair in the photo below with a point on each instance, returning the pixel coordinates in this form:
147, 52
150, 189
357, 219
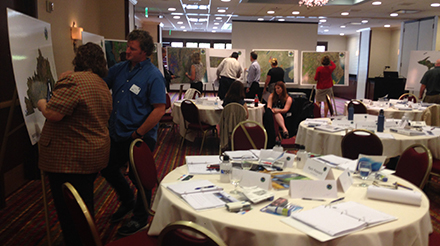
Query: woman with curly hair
75, 142
279, 102
197, 72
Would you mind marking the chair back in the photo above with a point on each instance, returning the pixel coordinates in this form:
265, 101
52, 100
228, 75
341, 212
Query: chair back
411, 97
143, 166
431, 115
359, 107
81, 216
330, 105
168, 102
191, 93
247, 135
415, 164
316, 110
176, 234
232, 114
190, 112
360, 142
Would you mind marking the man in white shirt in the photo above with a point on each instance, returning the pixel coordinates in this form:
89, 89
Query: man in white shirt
229, 70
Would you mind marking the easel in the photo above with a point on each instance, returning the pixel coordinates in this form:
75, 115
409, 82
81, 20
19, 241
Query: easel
12, 104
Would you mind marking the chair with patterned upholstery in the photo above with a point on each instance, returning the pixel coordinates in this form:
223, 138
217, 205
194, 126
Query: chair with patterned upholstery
176, 233
360, 142
431, 115
411, 97
247, 135
192, 93
232, 114
415, 164
167, 119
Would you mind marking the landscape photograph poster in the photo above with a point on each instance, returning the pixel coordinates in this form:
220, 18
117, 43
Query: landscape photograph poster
179, 61
33, 63
287, 60
420, 62
311, 60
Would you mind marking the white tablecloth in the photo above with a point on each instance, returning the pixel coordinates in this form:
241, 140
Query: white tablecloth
321, 142
211, 115
392, 113
258, 228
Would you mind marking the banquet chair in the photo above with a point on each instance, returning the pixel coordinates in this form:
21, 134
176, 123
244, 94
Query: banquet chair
316, 110
415, 164
143, 167
286, 143
176, 234
431, 115
232, 114
191, 93
86, 226
411, 97
190, 114
247, 135
360, 142
330, 105
167, 118
359, 107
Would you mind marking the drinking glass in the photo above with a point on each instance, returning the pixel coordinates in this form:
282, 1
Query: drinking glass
236, 176
364, 171
246, 165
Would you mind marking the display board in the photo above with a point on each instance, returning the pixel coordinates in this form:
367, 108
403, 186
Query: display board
216, 56
287, 60
311, 60
156, 57
114, 51
419, 63
93, 38
33, 62
179, 62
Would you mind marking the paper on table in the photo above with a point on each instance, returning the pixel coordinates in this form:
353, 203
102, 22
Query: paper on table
401, 196
333, 159
201, 169
206, 200
202, 159
350, 165
382, 135
193, 186
241, 154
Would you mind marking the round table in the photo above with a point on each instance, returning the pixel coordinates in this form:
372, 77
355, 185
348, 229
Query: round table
392, 112
322, 142
258, 228
211, 114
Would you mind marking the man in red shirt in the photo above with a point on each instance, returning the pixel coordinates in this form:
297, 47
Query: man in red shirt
324, 80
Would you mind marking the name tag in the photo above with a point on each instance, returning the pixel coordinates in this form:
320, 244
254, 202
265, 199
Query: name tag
318, 169
135, 89
368, 125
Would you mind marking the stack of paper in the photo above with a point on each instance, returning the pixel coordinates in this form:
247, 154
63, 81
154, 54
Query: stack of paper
329, 128
197, 164
408, 132
401, 196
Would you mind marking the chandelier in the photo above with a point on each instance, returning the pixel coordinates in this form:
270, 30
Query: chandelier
312, 3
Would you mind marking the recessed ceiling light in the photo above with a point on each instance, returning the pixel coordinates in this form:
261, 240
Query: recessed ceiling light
216, 24
218, 18
376, 3
345, 13
260, 19
364, 21
387, 25
215, 27
171, 9
179, 22
160, 16
161, 24
322, 17
342, 26
435, 5
185, 30
326, 30
322, 20
226, 0
295, 13
182, 27
221, 10
271, 12
176, 17
341, 34
281, 19
214, 31
394, 14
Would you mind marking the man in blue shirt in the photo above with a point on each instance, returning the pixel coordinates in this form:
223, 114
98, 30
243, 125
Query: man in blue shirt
253, 77
138, 90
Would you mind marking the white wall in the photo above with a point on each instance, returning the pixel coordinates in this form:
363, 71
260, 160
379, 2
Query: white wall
394, 50
196, 35
353, 53
364, 54
335, 42
383, 51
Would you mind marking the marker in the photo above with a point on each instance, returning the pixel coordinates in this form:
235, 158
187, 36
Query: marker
337, 200
313, 199
205, 187
181, 177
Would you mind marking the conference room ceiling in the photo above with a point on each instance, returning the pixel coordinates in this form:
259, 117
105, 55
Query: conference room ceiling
204, 15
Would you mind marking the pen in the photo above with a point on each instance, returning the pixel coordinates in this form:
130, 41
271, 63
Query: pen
205, 187
403, 186
337, 200
313, 199
181, 177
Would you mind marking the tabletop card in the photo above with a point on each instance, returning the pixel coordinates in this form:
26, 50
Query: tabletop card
345, 180
318, 169
313, 189
367, 125
251, 178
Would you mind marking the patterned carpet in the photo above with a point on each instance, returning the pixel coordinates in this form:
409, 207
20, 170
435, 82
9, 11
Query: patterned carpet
22, 221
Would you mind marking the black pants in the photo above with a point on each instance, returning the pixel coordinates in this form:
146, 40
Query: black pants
83, 183
224, 85
119, 155
198, 86
253, 90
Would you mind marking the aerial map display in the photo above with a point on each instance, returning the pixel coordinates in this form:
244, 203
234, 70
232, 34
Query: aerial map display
312, 59
34, 66
287, 60
179, 62
419, 63
113, 51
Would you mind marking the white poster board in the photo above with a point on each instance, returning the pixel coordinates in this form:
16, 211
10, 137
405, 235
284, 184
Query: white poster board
419, 63
93, 38
287, 60
215, 56
33, 62
310, 60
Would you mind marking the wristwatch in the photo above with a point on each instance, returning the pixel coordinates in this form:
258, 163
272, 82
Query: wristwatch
137, 133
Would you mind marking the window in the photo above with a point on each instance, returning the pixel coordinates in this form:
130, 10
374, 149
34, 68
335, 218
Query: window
321, 46
177, 44
219, 46
191, 44
228, 46
204, 45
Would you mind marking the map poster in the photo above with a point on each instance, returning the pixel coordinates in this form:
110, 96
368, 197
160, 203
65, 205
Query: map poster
115, 51
419, 63
312, 60
216, 56
33, 62
287, 60
179, 62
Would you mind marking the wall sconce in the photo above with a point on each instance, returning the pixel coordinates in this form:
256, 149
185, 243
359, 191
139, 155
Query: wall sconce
75, 34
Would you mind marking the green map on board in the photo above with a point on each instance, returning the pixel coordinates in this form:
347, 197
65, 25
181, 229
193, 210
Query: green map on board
312, 60
179, 62
286, 60
214, 61
113, 50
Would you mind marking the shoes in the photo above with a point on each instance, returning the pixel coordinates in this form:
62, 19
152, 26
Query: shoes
285, 135
132, 227
122, 211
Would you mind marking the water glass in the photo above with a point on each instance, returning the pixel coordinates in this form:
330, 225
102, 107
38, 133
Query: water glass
235, 177
364, 171
246, 165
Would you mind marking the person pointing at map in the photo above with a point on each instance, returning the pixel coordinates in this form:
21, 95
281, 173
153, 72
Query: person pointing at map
324, 85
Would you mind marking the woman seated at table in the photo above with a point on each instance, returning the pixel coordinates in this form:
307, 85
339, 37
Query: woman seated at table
279, 102
236, 94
